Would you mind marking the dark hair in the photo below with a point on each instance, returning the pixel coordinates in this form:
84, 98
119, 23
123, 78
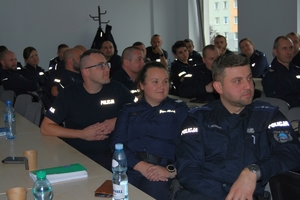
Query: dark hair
27, 51
209, 47
177, 45
138, 44
189, 40
220, 36
62, 46
227, 61
2, 48
128, 52
245, 39
143, 73
87, 53
275, 45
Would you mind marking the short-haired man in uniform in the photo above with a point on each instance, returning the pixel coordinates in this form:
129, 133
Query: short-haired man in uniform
88, 109
296, 41
221, 42
194, 57
258, 60
142, 47
199, 83
11, 79
132, 63
282, 79
230, 148
108, 50
155, 52
180, 67
53, 64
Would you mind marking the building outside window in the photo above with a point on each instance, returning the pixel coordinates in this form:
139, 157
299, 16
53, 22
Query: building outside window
235, 19
235, 4
225, 20
216, 5
225, 4
217, 22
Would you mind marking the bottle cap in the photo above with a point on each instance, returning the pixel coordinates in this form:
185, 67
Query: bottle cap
41, 174
119, 146
8, 102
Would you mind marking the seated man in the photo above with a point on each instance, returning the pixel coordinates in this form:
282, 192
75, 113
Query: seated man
282, 80
11, 79
195, 59
108, 50
199, 84
258, 60
221, 43
155, 52
230, 148
142, 47
296, 41
88, 109
132, 63
53, 64
180, 67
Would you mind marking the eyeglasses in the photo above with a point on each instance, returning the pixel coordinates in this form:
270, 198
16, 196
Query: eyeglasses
101, 65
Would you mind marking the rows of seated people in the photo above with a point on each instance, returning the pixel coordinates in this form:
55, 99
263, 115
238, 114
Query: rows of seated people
96, 98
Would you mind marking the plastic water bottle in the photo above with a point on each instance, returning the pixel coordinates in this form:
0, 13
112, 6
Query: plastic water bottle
10, 121
42, 189
119, 179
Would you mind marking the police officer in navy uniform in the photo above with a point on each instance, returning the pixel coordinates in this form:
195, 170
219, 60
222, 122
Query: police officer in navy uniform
155, 52
88, 110
132, 63
198, 84
11, 79
180, 68
258, 60
54, 62
296, 41
195, 59
108, 50
221, 43
149, 130
230, 148
282, 80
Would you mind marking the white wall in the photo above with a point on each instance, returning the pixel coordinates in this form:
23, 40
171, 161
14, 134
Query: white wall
263, 21
46, 24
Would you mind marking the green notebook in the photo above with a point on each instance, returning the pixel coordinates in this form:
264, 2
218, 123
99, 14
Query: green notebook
62, 173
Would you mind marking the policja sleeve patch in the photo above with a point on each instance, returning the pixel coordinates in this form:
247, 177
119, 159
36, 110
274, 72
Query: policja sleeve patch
282, 136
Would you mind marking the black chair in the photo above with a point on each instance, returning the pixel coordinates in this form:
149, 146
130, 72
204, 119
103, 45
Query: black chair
285, 186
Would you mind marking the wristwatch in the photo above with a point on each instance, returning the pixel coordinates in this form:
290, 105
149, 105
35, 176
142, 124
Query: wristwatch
161, 55
171, 168
255, 169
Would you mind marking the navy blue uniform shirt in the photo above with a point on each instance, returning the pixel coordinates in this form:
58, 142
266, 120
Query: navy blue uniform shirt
258, 63
215, 146
282, 83
122, 77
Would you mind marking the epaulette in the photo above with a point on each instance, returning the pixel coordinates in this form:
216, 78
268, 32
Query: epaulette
193, 110
264, 106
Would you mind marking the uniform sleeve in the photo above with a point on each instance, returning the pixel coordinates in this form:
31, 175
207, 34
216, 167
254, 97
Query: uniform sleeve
59, 109
284, 147
263, 65
189, 156
120, 135
18, 82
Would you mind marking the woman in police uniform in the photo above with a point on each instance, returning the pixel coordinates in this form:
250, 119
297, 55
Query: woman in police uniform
149, 130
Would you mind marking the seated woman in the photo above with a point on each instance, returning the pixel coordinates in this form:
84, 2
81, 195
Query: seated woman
149, 130
31, 70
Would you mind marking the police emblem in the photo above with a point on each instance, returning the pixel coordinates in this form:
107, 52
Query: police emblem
282, 136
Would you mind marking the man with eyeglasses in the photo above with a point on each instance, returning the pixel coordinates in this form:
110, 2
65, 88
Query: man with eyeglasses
88, 109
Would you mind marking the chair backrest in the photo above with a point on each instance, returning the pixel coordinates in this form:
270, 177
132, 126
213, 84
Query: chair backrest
285, 186
283, 106
294, 117
8, 95
258, 85
21, 103
34, 112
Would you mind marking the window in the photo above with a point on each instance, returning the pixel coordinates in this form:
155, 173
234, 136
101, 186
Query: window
225, 20
236, 36
225, 4
235, 19
226, 35
235, 4
217, 20
216, 5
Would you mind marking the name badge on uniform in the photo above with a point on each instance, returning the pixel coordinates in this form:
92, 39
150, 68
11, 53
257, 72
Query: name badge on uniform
107, 102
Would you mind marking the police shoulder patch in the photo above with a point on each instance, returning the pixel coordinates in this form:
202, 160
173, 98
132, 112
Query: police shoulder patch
282, 136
